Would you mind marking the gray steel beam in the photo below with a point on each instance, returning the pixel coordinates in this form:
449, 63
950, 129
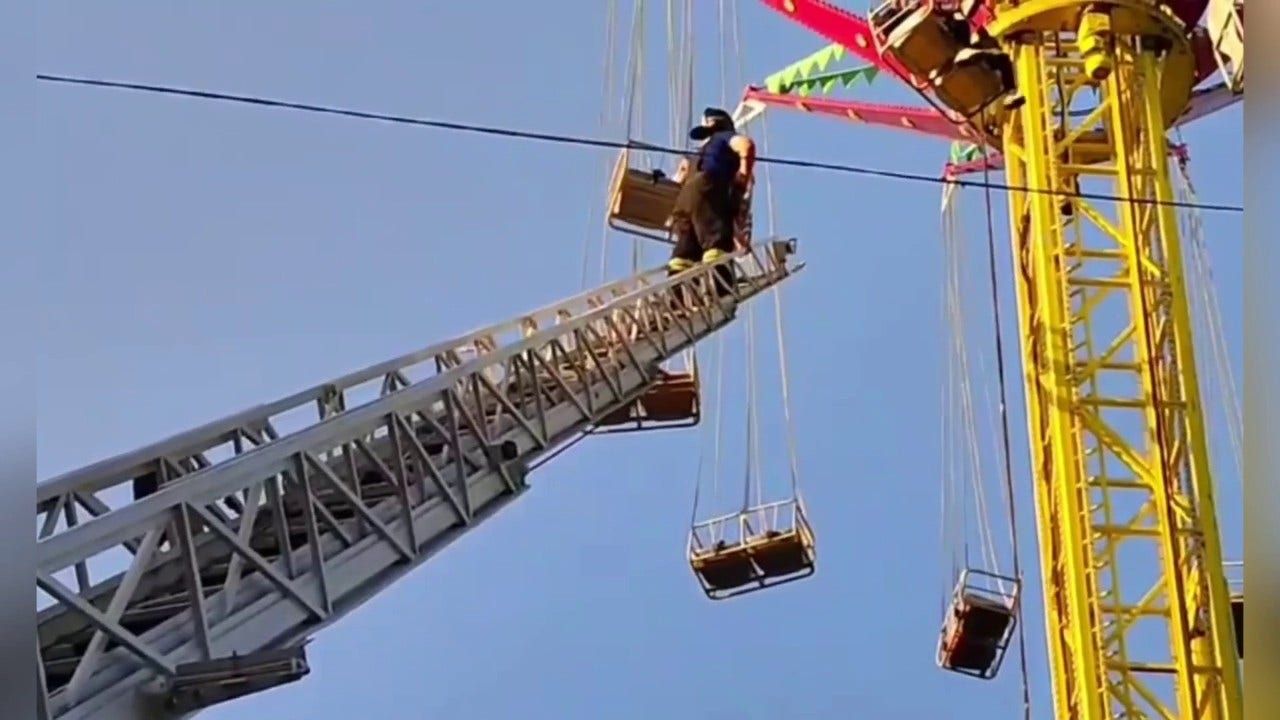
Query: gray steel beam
442, 454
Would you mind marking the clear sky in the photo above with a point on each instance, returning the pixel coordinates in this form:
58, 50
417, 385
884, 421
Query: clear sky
200, 258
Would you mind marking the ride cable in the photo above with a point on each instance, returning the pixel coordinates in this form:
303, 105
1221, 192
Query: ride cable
753, 490
1207, 324
729, 44
1006, 453
605, 117
682, 385
962, 454
760, 543
974, 588
793, 461
1208, 311
679, 128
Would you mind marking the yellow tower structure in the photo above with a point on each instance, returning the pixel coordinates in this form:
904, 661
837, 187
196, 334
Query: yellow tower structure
1136, 602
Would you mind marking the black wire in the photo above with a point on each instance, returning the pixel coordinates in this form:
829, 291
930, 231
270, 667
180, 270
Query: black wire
594, 142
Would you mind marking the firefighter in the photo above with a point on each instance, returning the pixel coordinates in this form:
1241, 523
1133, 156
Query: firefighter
713, 190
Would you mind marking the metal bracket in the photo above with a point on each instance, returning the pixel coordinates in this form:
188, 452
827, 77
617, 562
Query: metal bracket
201, 684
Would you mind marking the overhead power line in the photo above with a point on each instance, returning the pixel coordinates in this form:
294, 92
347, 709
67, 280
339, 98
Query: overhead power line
599, 143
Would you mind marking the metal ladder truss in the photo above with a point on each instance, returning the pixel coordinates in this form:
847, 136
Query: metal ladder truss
236, 542
1224, 21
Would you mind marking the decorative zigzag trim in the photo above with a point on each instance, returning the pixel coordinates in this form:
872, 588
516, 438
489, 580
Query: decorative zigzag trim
806, 76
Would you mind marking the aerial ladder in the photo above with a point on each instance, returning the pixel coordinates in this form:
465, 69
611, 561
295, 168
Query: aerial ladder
236, 542
1140, 618
1224, 21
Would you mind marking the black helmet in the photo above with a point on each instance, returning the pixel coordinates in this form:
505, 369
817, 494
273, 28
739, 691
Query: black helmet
713, 120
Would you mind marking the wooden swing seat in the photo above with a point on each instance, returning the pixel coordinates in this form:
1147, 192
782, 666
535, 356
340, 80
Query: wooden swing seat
640, 200
973, 638
673, 400
726, 567
781, 554
920, 40
969, 87
916, 38
675, 397
759, 561
1237, 620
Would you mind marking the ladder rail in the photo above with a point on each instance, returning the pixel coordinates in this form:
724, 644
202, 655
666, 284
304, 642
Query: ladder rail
284, 599
1225, 23
441, 352
122, 468
56, 552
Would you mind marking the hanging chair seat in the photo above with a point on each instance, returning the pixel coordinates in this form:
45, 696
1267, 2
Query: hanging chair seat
1234, 572
969, 87
760, 548
978, 625
674, 400
915, 36
973, 634
641, 201
925, 44
1237, 620
782, 553
725, 567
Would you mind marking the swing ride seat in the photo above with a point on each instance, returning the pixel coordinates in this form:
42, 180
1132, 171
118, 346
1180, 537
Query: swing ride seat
759, 548
672, 401
1235, 589
780, 554
915, 36
1237, 620
725, 567
968, 87
640, 201
979, 623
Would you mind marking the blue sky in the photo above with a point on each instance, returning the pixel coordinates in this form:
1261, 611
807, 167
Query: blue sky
200, 258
